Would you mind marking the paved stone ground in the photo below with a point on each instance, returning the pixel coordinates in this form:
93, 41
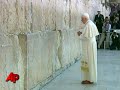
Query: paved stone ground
108, 75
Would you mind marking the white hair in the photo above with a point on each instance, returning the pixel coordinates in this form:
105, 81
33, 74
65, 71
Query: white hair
86, 15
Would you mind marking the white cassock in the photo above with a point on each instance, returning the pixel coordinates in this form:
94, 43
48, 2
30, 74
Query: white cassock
89, 52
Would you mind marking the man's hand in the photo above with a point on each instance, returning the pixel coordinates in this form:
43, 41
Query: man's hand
79, 33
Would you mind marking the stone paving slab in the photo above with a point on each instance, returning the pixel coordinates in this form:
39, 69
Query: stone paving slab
108, 75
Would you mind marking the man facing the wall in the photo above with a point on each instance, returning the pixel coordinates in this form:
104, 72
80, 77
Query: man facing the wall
89, 50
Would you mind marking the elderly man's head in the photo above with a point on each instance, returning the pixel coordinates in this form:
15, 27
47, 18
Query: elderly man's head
85, 17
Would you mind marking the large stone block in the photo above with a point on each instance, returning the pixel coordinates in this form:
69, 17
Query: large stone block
42, 56
39, 54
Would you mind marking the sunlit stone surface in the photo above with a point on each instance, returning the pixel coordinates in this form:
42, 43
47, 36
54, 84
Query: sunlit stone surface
28, 44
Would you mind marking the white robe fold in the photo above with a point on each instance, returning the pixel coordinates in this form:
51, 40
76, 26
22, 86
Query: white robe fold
89, 51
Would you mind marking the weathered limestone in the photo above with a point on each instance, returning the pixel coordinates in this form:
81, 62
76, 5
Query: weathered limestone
15, 16
42, 58
10, 61
28, 44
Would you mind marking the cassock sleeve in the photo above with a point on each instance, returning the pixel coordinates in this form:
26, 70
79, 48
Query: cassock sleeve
89, 31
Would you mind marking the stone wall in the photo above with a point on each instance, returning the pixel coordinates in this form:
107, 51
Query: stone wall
48, 52
30, 44
18, 16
